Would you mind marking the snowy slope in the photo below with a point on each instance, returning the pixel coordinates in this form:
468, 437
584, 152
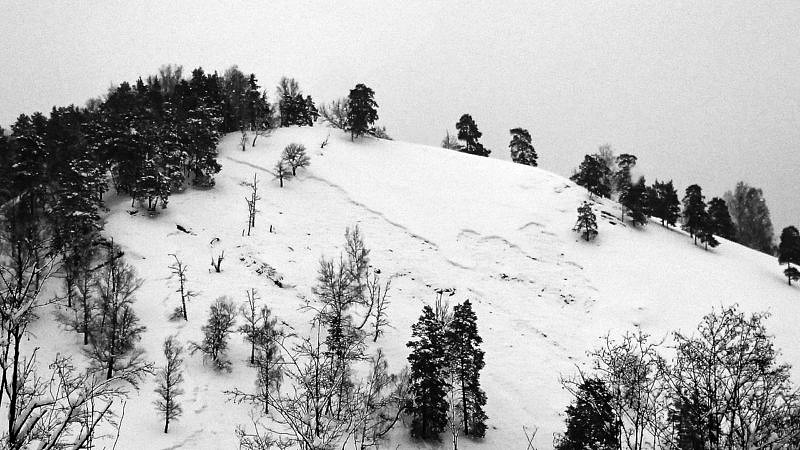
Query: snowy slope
498, 233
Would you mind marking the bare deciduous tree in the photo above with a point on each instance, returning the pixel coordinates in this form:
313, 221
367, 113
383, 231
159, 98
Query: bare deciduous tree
169, 380
295, 156
221, 320
282, 171
336, 112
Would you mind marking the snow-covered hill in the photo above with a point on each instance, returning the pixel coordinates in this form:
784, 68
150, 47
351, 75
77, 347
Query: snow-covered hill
498, 233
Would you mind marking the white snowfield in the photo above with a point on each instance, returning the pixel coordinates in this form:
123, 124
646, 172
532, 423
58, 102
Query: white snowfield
499, 234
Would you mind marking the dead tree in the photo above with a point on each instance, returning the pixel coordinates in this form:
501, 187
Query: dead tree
251, 203
217, 263
178, 269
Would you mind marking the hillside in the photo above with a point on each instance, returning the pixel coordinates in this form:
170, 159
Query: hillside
498, 233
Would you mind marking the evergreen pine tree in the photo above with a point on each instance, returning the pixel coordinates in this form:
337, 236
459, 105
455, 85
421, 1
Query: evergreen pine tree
720, 222
363, 110
466, 362
168, 382
663, 202
690, 420
310, 113
591, 422
522, 151
789, 252
428, 378
694, 211
591, 175
634, 199
587, 222
469, 133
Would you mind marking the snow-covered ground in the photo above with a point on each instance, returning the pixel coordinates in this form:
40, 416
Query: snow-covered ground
498, 233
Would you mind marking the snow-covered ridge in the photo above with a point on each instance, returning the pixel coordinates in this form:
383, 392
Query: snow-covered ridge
496, 232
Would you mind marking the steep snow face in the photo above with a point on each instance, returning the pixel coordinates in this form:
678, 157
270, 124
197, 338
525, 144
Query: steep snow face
497, 233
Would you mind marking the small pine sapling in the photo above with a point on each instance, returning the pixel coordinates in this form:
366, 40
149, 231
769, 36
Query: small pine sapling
282, 171
178, 269
221, 320
295, 156
587, 222
169, 380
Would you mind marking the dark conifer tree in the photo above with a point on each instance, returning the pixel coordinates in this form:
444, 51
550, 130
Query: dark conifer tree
694, 211
310, 113
466, 362
6, 161
363, 111
428, 383
706, 236
29, 175
587, 222
469, 133
591, 174
634, 199
663, 202
690, 420
789, 252
719, 218
591, 422
522, 151
622, 178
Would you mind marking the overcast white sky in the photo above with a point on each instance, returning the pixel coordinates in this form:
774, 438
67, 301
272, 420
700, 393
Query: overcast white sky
703, 92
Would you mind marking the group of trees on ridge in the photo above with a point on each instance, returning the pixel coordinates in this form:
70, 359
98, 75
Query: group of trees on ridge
740, 216
467, 141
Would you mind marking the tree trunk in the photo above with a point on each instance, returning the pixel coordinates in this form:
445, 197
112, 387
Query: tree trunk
14, 394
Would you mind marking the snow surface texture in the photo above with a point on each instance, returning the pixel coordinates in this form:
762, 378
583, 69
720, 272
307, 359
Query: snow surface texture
496, 232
